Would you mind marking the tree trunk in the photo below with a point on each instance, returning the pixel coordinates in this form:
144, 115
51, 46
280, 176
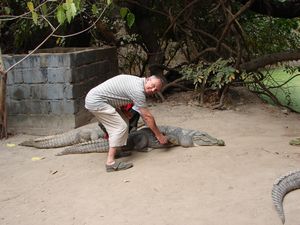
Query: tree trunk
146, 29
270, 59
3, 113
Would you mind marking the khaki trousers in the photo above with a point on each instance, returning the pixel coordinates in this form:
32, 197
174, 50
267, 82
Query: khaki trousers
115, 123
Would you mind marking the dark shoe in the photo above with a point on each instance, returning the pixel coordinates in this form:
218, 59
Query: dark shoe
121, 154
118, 166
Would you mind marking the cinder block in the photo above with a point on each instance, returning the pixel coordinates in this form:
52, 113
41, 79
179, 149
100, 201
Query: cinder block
92, 55
15, 77
15, 107
46, 91
74, 91
57, 75
63, 107
70, 107
53, 92
18, 92
57, 107
55, 60
36, 91
34, 76
37, 107
8, 61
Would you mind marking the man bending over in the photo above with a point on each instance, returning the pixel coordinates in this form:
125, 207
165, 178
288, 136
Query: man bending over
106, 102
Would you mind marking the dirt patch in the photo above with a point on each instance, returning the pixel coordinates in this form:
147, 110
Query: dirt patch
202, 185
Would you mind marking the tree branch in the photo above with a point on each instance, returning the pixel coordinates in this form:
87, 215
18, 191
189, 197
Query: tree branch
242, 9
270, 59
11, 67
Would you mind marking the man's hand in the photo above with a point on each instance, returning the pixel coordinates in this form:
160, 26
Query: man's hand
162, 139
149, 120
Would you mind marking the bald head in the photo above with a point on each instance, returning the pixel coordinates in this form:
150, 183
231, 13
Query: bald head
153, 85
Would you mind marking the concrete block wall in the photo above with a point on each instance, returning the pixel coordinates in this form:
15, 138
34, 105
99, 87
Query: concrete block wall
45, 92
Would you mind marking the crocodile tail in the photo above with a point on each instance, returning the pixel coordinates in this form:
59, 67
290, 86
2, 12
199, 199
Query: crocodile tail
282, 186
96, 146
58, 141
29, 143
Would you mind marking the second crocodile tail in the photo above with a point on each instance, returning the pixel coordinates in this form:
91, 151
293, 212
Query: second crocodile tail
96, 146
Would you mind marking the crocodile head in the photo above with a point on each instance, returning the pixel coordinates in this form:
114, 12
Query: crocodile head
202, 140
173, 140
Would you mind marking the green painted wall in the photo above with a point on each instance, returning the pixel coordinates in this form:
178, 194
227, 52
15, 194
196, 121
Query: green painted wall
288, 94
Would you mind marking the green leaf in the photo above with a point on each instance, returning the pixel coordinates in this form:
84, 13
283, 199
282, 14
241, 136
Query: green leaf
60, 15
70, 9
77, 4
35, 17
65, 6
108, 2
123, 12
44, 9
7, 10
94, 9
73, 10
69, 16
130, 19
30, 6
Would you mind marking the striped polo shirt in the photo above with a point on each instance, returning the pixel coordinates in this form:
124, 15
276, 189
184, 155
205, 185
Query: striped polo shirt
118, 91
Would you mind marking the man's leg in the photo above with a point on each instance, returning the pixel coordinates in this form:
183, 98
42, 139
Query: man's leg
117, 129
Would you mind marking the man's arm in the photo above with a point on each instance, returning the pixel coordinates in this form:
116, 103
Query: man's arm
150, 121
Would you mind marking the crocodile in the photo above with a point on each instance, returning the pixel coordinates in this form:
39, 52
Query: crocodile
82, 134
79, 135
282, 186
144, 140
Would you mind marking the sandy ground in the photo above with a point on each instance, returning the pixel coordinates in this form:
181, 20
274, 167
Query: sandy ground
179, 186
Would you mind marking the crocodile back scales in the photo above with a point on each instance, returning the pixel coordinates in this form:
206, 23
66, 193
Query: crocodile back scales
282, 186
144, 140
79, 135
99, 145
137, 141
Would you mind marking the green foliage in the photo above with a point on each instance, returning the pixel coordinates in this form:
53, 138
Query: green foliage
30, 6
213, 76
7, 10
21, 33
128, 16
33, 13
193, 27
66, 11
123, 12
265, 35
95, 9
60, 14
44, 9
